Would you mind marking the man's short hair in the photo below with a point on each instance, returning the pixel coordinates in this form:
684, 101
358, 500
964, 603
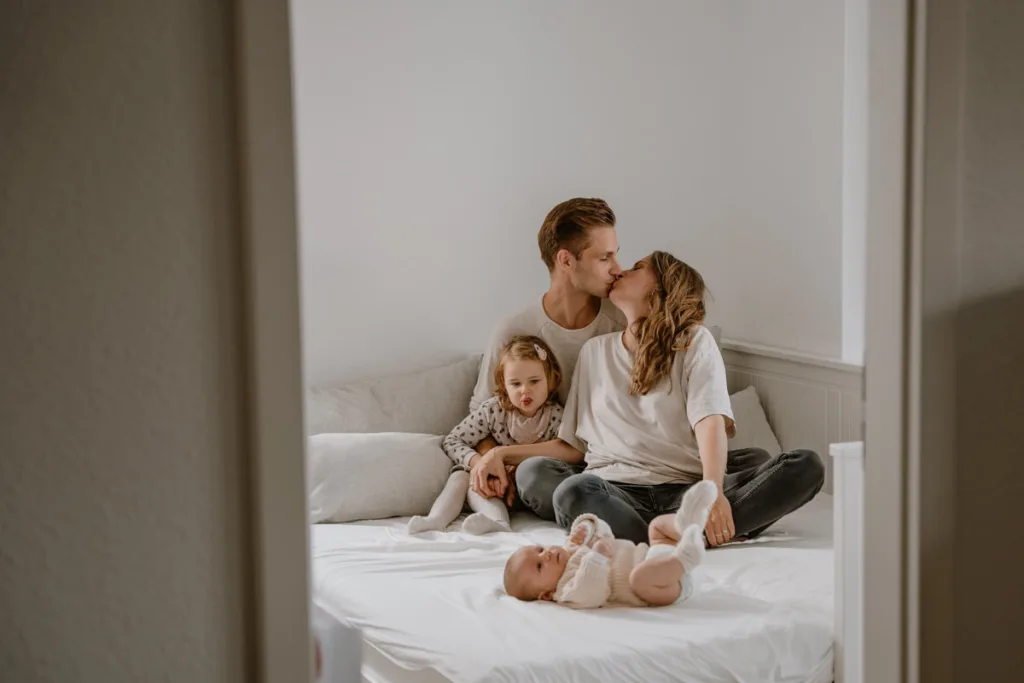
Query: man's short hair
567, 224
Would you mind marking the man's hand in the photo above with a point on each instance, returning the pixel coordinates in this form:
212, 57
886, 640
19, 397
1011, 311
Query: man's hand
489, 466
720, 528
510, 495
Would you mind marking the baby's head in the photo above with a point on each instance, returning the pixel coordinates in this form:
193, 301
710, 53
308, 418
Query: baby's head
533, 572
527, 375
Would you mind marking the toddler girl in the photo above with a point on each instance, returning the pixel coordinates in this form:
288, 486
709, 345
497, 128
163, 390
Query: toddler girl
593, 568
524, 410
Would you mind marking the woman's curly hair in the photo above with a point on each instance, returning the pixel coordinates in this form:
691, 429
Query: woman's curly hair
676, 307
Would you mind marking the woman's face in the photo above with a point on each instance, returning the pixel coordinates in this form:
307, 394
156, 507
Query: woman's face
630, 292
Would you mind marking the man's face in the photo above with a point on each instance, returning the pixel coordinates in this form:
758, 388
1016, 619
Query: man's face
597, 267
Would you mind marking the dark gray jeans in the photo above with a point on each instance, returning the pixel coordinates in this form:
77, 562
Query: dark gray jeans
761, 490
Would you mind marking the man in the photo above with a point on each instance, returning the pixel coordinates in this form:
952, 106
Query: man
578, 245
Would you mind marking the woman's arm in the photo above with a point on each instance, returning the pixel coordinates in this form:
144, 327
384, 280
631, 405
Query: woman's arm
556, 448
711, 443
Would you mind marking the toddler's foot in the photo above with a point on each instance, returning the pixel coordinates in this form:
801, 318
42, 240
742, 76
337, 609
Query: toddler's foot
479, 523
419, 524
697, 502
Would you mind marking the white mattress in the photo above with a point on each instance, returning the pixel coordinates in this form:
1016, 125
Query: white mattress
431, 608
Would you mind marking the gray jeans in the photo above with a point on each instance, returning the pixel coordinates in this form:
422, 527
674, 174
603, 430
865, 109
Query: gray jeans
761, 490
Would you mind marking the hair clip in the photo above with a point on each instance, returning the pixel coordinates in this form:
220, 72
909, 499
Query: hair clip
541, 353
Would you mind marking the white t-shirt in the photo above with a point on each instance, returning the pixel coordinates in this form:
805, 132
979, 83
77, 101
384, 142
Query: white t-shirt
564, 342
644, 439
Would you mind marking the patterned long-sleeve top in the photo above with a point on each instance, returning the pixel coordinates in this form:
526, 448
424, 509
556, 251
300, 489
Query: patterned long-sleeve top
490, 419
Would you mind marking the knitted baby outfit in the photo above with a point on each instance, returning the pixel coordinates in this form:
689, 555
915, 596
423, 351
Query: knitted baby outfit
592, 580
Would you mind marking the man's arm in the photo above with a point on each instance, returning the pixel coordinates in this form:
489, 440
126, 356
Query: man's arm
493, 464
482, 449
461, 442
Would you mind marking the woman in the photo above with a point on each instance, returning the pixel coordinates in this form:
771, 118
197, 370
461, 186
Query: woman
649, 413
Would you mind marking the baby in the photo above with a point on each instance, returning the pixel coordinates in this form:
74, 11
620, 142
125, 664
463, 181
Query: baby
593, 568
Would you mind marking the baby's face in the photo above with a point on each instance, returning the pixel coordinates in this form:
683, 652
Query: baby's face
533, 572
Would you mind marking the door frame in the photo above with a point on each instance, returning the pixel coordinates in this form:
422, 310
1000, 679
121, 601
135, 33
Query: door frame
283, 651
268, 205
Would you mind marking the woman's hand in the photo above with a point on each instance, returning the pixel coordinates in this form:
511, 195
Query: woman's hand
720, 528
488, 476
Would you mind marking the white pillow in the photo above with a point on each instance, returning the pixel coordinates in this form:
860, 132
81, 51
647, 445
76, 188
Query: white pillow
428, 402
374, 476
752, 428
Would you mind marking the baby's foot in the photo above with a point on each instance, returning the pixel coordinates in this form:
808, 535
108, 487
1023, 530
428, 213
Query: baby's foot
479, 523
697, 502
418, 524
690, 549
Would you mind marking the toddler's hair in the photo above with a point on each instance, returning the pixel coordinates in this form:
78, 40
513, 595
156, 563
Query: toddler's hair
526, 347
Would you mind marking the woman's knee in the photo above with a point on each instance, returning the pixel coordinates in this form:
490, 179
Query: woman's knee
808, 466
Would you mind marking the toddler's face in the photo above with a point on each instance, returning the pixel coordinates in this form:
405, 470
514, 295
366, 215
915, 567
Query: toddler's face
526, 384
533, 572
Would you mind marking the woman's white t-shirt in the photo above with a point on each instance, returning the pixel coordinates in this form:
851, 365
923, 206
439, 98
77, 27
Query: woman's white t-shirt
645, 439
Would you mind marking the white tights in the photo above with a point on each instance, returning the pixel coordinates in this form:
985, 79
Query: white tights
489, 514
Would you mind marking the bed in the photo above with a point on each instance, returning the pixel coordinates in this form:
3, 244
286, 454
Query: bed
431, 609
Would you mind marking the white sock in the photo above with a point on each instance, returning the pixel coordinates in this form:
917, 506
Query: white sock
489, 515
690, 549
696, 505
446, 508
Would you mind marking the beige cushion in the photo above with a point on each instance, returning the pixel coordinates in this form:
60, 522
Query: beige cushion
373, 476
428, 402
752, 428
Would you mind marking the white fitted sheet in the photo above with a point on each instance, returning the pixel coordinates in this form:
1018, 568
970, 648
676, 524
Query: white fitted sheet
431, 608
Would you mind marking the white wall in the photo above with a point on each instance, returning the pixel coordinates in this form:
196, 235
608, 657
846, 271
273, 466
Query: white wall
434, 137
854, 156
123, 536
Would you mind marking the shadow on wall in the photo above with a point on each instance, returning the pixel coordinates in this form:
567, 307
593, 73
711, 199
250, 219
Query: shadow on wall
989, 595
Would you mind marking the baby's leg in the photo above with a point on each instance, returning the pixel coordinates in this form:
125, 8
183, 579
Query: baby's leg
447, 506
489, 514
662, 530
658, 580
